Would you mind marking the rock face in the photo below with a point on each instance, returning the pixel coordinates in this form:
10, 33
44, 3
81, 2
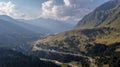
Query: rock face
106, 14
100, 26
98, 39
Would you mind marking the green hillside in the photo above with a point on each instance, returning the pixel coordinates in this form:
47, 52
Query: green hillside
100, 26
80, 38
106, 31
97, 35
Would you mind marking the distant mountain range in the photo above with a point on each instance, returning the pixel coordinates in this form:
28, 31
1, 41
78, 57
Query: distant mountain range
14, 33
96, 37
17, 33
14, 25
53, 26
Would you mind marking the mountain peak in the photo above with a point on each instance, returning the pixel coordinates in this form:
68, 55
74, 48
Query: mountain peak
106, 14
6, 18
107, 6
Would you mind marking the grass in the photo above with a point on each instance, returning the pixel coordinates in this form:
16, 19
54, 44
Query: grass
117, 50
109, 39
78, 64
80, 38
106, 65
64, 65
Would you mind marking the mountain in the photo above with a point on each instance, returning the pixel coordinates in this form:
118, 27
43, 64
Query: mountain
53, 26
27, 26
14, 33
79, 38
107, 14
96, 36
11, 58
8, 25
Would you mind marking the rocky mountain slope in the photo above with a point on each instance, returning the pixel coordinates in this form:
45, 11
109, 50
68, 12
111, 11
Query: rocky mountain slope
107, 14
97, 32
107, 32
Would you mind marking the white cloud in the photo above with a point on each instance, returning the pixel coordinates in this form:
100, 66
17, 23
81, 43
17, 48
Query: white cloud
10, 9
6, 8
70, 9
52, 9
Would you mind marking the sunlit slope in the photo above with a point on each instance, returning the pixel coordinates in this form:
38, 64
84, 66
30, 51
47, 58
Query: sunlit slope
100, 26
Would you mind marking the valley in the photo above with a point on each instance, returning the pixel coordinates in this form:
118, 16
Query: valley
93, 42
90, 38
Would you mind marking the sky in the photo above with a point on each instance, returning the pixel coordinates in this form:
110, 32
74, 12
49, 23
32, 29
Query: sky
61, 10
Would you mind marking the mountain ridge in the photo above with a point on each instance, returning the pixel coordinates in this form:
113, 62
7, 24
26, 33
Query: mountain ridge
98, 38
54, 26
13, 34
80, 38
104, 15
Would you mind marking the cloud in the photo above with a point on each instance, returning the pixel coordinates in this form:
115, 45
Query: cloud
6, 8
52, 9
70, 9
10, 9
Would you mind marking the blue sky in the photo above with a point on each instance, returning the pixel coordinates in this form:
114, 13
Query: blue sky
53, 9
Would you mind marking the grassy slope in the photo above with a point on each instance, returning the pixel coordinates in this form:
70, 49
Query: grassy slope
82, 37
107, 32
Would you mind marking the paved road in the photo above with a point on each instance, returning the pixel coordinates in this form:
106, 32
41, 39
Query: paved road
57, 62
